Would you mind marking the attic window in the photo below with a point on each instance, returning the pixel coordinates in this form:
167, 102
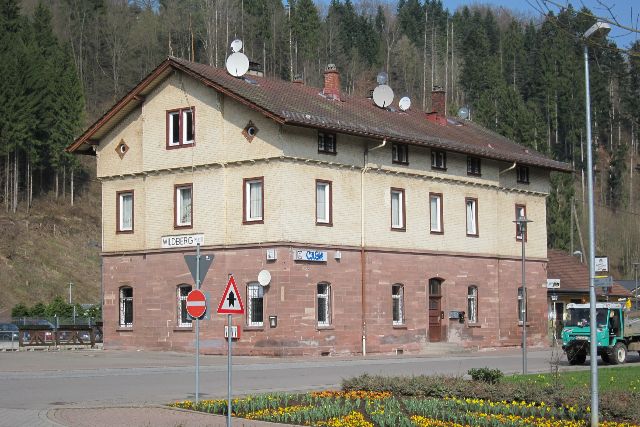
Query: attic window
326, 143
522, 174
181, 127
400, 154
122, 148
250, 131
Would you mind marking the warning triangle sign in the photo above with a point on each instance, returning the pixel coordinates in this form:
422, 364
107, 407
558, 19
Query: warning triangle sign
231, 302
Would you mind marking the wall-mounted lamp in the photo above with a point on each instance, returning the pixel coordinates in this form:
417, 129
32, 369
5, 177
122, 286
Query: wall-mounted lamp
273, 321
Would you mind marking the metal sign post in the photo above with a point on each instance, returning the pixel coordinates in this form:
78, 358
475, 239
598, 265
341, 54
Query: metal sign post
229, 341
197, 326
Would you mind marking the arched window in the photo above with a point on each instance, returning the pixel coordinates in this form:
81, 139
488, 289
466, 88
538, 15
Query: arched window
472, 304
184, 320
126, 307
255, 304
397, 298
324, 304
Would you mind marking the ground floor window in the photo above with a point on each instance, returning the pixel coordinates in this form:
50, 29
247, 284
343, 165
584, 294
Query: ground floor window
184, 320
255, 306
324, 304
126, 307
472, 304
397, 297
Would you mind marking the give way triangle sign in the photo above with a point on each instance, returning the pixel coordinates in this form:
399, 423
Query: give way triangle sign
231, 302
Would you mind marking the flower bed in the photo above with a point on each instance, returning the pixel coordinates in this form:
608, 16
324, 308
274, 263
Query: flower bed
357, 408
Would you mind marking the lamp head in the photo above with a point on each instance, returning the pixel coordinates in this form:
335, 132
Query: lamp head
598, 27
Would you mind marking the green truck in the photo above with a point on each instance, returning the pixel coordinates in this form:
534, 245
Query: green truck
617, 332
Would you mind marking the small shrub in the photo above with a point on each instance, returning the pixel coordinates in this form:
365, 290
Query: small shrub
486, 375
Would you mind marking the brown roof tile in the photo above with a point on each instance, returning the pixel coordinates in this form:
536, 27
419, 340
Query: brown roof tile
303, 105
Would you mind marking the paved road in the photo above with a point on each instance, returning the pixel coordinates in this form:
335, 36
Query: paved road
34, 384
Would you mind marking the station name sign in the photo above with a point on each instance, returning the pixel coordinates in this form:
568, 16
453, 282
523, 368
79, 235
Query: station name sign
310, 255
182, 241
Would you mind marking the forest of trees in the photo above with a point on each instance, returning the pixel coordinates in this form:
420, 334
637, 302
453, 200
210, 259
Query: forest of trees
521, 77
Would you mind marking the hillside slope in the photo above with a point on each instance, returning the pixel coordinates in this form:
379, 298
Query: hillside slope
52, 245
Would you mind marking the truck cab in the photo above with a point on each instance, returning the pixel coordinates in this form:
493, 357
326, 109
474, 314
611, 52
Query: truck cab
617, 332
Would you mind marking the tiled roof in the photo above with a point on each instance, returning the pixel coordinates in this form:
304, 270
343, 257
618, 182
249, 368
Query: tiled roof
302, 105
574, 275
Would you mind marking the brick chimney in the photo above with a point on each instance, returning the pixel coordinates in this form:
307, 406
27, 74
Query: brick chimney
438, 101
331, 82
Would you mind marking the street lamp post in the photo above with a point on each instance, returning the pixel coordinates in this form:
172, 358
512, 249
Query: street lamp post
602, 28
522, 232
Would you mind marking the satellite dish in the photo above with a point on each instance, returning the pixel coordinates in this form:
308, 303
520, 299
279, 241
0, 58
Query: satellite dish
264, 278
383, 96
404, 103
382, 78
237, 64
236, 45
463, 113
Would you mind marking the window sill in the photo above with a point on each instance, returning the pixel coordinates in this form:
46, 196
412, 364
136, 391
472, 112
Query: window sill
252, 328
403, 229
332, 153
398, 162
324, 224
477, 175
399, 326
437, 232
474, 325
124, 329
436, 168
181, 145
183, 329
473, 235
325, 328
182, 227
523, 182
124, 231
253, 221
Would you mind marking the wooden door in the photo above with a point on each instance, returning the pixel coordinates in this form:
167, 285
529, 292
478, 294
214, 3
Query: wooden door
435, 310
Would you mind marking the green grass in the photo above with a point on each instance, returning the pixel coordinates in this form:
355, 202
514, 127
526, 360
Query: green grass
624, 378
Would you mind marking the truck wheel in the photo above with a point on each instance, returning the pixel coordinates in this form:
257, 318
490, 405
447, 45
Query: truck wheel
619, 354
576, 357
605, 358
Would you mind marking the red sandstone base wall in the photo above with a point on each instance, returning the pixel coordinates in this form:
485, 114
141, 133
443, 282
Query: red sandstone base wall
292, 297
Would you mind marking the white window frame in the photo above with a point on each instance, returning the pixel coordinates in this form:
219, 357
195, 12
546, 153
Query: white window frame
437, 215
179, 207
471, 213
397, 299
472, 304
325, 295
251, 216
399, 224
121, 213
400, 153
124, 303
254, 291
184, 320
326, 201
171, 115
439, 159
184, 126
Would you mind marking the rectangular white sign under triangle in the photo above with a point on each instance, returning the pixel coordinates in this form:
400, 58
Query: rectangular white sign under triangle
231, 302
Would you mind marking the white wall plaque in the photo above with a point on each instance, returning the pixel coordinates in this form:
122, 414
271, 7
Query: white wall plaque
182, 240
553, 283
310, 255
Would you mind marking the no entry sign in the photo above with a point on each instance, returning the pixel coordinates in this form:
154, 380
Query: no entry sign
196, 303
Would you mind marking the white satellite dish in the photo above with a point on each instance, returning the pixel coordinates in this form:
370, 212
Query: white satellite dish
237, 64
264, 278
463, 113
404, 103
382, 78
236, 45
383, 96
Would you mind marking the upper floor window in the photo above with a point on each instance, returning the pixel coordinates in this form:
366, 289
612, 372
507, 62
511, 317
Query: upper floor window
184, 320
397, 209
397, 297
181, 127
323, 202
326, 143
522, 174
324, 304
183, 205
438, 159
472, 216
521, 212
126, 307
435, 210
472, 304
473, 166
400, 153
124, 209
253, 200
255, 304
